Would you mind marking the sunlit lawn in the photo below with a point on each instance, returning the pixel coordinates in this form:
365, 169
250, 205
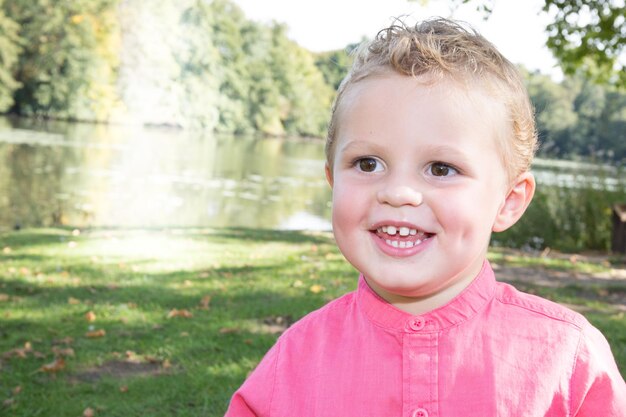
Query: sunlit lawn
177, 318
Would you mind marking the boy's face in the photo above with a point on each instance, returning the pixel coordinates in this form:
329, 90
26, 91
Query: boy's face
418, 185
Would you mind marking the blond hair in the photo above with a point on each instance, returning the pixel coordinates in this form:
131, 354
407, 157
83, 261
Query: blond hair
444, 49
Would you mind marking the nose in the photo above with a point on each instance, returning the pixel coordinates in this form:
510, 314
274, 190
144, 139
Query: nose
399, 195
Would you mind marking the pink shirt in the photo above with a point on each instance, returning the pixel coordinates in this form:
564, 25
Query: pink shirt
492, 351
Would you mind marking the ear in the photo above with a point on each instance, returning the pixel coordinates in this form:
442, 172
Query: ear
329, 175
516, 202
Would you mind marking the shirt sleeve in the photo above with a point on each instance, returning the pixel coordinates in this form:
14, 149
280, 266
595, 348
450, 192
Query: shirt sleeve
597, 388
254, 397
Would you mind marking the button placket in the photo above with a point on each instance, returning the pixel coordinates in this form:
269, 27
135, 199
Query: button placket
416, 323
420, 412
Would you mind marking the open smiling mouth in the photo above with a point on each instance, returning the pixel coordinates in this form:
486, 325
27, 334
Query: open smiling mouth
402, 236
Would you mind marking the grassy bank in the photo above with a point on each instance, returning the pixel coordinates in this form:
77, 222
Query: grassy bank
133, 323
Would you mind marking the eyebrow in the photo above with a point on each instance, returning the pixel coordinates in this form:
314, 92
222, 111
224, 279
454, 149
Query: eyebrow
357, 145
436, 152
446, 150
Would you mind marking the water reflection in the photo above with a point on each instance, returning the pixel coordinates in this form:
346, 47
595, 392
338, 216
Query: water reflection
90, 175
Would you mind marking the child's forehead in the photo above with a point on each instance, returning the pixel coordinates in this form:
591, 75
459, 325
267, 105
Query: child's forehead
458, 96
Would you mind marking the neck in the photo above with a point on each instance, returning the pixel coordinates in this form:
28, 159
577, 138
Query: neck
418, 305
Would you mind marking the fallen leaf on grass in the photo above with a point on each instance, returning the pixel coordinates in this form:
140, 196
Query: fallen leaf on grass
316, 288
152, 359
19, 352
65, 341
65, 353
56, 366
17, 390
4, 297
124, 389
90, 316
73, 301
204, 303
89, 412
179, 313
8, 403
132, 357
227, 330
96, 333
6, 250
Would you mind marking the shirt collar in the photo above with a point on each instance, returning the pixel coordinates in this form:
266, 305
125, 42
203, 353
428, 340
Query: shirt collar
461, 308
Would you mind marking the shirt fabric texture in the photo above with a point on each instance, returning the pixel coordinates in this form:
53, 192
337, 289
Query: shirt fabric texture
491, 351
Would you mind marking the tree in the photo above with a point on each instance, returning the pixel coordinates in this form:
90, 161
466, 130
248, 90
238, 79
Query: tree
594, 47
9, 52
335, 65
586, 36
67, 64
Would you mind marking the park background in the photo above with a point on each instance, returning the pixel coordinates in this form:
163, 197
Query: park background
163, 210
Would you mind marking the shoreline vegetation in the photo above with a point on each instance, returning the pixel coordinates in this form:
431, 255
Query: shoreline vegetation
169, 322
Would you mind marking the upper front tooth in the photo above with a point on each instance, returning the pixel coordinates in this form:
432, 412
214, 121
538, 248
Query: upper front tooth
404, 231
413, 232
391, 230
384, 228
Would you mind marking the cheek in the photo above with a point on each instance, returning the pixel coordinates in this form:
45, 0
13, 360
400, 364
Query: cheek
469, 214
349, 206
342, 200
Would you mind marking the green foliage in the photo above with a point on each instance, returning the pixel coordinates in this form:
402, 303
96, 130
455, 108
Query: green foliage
335, 65
66, 66
190, 63
168, 62
9, 52
268, 82
594, 46
573, 215
586, 37
579, 118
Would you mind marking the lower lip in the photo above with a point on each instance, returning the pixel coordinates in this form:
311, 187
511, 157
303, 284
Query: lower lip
400, 252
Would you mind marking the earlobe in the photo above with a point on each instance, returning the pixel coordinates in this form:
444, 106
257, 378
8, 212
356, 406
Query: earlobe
329, 175
516, 202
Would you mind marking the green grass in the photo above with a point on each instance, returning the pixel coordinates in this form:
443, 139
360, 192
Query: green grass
258, 282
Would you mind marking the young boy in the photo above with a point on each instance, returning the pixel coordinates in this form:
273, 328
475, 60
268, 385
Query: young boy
429, 149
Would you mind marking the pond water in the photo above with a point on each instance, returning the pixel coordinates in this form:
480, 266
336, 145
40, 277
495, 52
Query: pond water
84, 175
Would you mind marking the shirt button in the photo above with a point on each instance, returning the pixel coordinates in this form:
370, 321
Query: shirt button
420, 412
417, 323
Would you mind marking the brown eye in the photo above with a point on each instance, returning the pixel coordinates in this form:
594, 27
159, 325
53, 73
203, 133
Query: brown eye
439, 169
368, 164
